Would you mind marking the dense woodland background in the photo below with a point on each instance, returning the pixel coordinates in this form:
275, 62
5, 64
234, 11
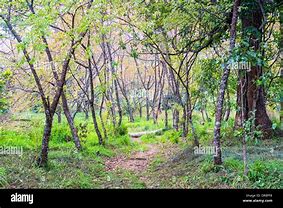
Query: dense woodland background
121, 94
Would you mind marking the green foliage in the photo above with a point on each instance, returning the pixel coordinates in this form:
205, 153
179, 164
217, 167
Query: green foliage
266, 174
4, 78
61, 133
15, 138
120, 141
121, 130
148, 138
172, 136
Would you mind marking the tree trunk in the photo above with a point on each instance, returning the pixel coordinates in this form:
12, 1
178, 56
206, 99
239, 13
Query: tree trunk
166, 118
253, 93
43, 158
96, 128
91, 101
70, 120
101, 118
184, 122
140, 110
176, 119
59, 114
130, 110
228, 107
223, 86
147, 107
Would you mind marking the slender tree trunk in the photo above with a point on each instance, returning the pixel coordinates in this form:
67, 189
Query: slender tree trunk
86, 114
184, 122
228, 107
59, 114
70, 120
95, 124
166, 118
147, 106
101, 118
140, 110
206, 115
202, 116
244, 116
113, 71
130, 110
223, 86
91, 101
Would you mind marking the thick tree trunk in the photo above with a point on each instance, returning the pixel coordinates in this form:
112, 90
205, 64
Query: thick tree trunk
43, 158
176, 119
253, 93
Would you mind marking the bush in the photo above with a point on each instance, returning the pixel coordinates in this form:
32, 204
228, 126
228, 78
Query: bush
121, 130
60, 133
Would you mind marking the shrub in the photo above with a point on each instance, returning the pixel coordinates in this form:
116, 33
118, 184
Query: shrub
172, 136
60, 133
121, 130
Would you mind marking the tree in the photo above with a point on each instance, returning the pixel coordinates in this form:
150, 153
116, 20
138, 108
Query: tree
49, 104
252, 93
223, 86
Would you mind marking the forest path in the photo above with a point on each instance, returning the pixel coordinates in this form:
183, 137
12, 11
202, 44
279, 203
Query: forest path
137, 162
142, 163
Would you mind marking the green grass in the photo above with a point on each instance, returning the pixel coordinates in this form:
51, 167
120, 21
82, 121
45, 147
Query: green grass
68, 168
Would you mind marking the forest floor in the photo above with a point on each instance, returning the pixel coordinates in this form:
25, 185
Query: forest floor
159, 160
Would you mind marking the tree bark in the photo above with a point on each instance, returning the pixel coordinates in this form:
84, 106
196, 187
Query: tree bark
43, 158
255, 94
70, 120
223, 86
